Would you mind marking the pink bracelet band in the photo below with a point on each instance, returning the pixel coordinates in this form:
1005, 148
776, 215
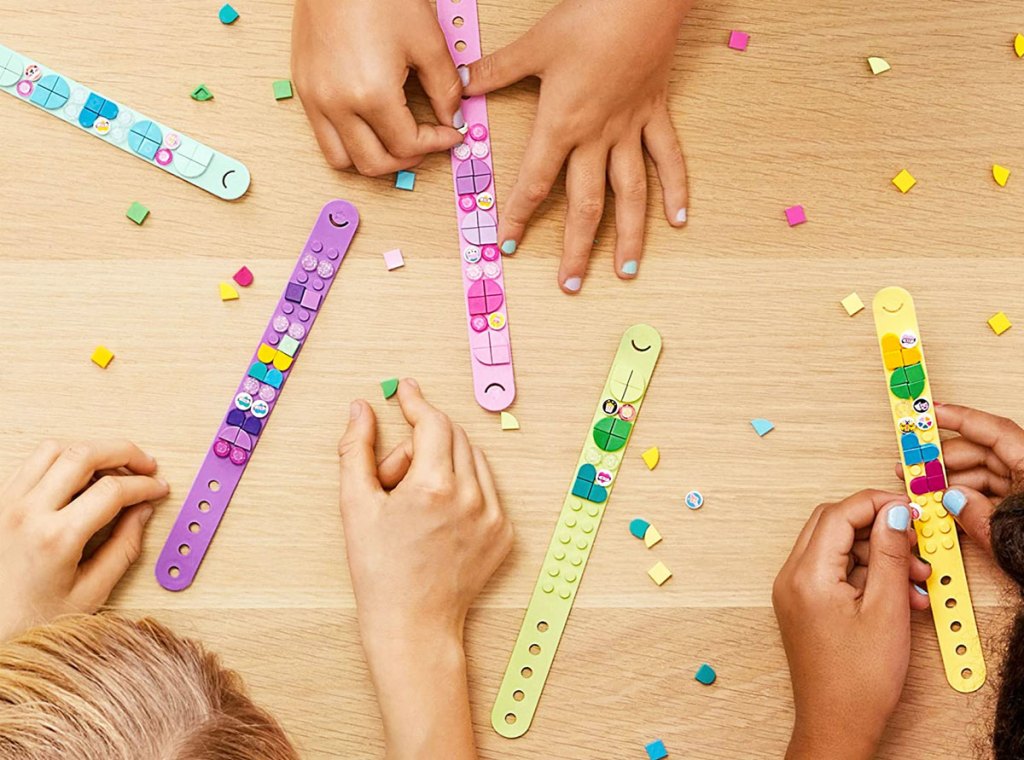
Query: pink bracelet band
256, 396
476, 208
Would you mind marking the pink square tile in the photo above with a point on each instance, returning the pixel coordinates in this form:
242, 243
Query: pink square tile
795, 215
393, 259
738, 40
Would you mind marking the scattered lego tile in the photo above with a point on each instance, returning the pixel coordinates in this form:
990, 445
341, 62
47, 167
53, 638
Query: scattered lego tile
201, 93
638, 527
705, 674
137, 212
243, 277
389, 387
102, 356
394, 259
796, 215
656, 750
227, 14
738, 40
509, 422
659, 573
405, 180
652, 537
852, 304
1018, 45
904, 181
762, 426
1000, 174
999, 323
282, 89
878, 65
651, 457
227, 292
694, 500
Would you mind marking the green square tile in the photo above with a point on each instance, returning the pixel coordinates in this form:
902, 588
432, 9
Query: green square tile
288, 345
137, 212
282, 89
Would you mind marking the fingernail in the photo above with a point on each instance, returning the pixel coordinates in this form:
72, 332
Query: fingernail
509, 247
630, 267
954, 500
681, 216
925, 561
413, 383
458, 120
145, 514
164, 483
920, 590
354, 410
898, 518
463, 74
573, 284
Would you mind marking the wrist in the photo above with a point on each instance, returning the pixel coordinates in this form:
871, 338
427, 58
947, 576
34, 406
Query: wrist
845, 742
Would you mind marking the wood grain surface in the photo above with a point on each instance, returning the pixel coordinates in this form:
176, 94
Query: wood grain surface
748, 309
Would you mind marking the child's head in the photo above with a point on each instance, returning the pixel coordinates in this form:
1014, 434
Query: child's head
108, 688
1007, 527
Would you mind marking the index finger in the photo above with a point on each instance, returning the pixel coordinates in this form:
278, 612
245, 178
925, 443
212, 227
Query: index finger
830, 544
1004, 436
77, 462
431, 431
542, 162
402, 136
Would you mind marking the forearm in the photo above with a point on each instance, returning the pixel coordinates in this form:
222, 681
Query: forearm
836, 744
422, 690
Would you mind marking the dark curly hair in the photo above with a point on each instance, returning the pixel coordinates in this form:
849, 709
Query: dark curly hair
1008, 547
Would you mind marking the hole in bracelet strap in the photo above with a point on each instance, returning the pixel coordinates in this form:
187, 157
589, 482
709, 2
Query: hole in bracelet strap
966, 673
961, 649
184, 550
458, 21
955, 626
510, 718
460, 46
518, 695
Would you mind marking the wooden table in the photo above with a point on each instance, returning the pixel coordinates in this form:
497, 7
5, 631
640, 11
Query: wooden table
748, 307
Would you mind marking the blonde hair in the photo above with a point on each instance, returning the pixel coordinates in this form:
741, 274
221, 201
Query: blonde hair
104, 687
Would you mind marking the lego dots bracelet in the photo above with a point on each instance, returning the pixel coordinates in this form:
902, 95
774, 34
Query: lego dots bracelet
913, 417
577, 527
490, 348
122, 127
256, 396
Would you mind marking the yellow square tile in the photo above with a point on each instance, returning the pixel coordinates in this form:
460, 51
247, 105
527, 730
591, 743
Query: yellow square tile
1000, 323
852, 304
102, 356
659, 573
904, 181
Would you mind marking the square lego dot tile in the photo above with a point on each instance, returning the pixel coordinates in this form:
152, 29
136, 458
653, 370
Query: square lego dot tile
102, 356
656, 750
795, 215
659, 573
243, 277
393, 259
288, 345
904, 181
137, 212
405, 180
227, 14
999, 323
202, 93
282, 89
852, 304
738, 40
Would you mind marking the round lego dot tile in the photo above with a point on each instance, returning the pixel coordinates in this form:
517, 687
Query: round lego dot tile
472, 254
694, 500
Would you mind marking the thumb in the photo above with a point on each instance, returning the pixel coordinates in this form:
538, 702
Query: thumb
889, 559
501, 68
973, 510
355, 449
441, 82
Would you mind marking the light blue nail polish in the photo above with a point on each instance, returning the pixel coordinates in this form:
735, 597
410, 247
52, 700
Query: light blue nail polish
898, 518
573, 284
509, 247
920, 590
681, 216
954, 500
630, 267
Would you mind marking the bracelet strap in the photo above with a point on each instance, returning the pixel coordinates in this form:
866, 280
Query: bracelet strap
256, 396
910, 399
129, 130
576, 531
490, 347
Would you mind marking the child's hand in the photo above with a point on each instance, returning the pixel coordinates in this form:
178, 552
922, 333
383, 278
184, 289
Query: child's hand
350, 61
843, 602
983, 465
424, 532
604, 69
49, 509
